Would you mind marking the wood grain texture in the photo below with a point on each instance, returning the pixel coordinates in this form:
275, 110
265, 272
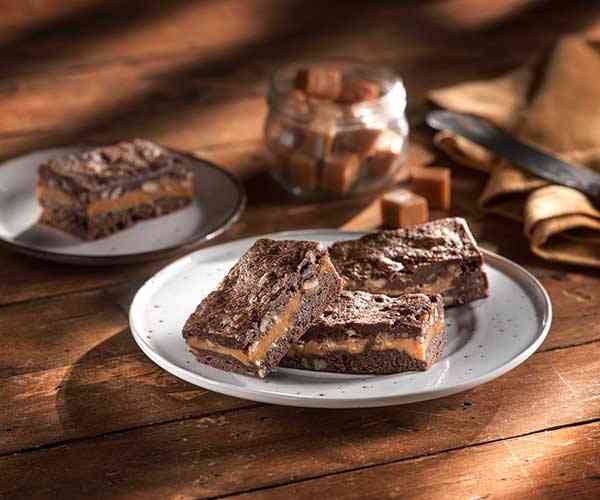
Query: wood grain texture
24, 278
98, 396
87, 415
550, 465
268, 445
155, 66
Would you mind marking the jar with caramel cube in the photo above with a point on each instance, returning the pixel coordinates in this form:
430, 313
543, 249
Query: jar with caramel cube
336, 128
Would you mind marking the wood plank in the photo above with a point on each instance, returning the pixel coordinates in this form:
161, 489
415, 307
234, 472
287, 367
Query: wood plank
93, 99
551, 465
102, 392
24, 278
100, 35
64, 361
269, 445
52, 333
183, 25
19, 21
575, 304
201, 79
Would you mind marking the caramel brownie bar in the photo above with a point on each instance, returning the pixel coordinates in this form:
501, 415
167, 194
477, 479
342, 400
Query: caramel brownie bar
436, 257
371, 333
266, 302
99, 192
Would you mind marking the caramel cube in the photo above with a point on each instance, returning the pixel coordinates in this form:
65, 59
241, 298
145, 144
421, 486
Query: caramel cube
361, 141
402, 208
317, 141
358, 90
434, 184
303, 171
319, 81
340, 172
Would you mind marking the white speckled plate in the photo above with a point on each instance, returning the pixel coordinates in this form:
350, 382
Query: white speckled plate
487, 338
219, 200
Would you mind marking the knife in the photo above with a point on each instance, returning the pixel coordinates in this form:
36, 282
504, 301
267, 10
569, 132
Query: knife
521, 155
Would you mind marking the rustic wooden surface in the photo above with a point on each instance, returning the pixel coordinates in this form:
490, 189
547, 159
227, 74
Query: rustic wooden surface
85, 414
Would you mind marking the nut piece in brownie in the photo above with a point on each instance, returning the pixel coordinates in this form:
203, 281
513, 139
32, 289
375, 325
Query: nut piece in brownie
99, 192
372, 333
265, 303
436, 257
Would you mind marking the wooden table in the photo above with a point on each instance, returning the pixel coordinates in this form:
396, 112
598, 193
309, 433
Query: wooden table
86, 414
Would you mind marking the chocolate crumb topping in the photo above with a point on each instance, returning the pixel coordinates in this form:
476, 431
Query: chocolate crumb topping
436, 257
404, 251
360, 313
120, 164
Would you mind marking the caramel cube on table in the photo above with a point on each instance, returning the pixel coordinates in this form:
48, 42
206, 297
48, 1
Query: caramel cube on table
318, 81
340, 172
433, 183
402, 208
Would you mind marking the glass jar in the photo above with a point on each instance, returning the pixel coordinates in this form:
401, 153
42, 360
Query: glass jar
336, 128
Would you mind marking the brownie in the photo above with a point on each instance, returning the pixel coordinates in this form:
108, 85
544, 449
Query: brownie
436, 257
266, 302
99, 192
373, 333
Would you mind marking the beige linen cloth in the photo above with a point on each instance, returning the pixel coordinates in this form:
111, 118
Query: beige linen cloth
553, 102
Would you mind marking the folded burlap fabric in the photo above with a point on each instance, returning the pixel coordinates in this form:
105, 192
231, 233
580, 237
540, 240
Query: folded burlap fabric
554, 103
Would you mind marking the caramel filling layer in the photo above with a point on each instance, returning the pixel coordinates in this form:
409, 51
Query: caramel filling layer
380, 285
196, 344
167, 188
53, 195
274, 327
414, 347
280, 324
150, 192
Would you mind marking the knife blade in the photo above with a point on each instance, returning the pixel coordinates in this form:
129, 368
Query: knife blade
521, 155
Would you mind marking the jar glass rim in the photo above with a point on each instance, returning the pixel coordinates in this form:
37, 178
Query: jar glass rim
393, 98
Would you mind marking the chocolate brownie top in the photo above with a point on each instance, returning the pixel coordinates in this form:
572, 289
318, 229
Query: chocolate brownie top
120, 164
261, 282
360, 313
392, 254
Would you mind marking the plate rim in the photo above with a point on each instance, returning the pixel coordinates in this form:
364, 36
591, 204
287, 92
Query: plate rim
321, 402
107, 260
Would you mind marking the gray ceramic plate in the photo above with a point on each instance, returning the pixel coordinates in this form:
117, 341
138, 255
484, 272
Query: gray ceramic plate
487, 338
219, 201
